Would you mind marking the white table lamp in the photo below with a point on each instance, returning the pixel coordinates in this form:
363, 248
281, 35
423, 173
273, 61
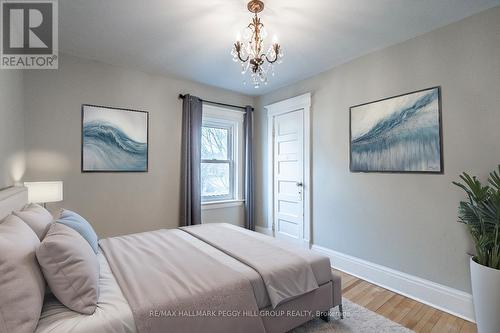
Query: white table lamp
44, 192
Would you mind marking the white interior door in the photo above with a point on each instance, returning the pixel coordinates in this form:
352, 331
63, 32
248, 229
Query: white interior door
289, 176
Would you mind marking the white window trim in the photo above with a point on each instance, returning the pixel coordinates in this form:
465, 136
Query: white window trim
215, 115
221, 204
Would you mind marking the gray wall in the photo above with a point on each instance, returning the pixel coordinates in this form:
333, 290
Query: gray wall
115, 203
12, 158
234, 215
403, 221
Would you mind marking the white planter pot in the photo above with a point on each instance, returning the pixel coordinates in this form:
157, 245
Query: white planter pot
486, 296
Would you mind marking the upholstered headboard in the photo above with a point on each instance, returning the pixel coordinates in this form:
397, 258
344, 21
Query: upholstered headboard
12, 198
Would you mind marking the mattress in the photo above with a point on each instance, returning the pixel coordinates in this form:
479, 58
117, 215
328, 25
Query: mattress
113, 313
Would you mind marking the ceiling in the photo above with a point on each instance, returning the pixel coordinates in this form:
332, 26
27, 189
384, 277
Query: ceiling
192, 39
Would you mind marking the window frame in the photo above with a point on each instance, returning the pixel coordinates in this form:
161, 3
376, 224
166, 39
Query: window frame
219, 117
211, 123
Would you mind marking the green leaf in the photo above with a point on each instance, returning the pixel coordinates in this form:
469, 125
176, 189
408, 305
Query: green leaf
481, 213
473, 187
495, 179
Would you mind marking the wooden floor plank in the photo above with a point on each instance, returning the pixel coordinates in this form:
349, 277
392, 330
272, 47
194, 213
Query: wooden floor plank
454, 324
468, 327
380, 300
409, 313
367, 295
370, 296
390, 305
428, 317
360, 288
413, 317
349, 285
402, 310
441, 324
429, 324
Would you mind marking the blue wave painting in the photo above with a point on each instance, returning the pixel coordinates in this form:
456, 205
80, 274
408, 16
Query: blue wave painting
108, 147
401, 134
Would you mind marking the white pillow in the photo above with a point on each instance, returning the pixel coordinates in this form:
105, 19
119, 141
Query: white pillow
37, 217
22, 286
70, 267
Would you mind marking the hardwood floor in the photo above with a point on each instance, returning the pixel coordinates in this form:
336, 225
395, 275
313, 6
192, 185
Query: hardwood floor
416, 316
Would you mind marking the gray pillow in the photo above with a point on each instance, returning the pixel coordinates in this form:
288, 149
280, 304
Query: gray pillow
70, 267
37, 217
79, 224
22, 287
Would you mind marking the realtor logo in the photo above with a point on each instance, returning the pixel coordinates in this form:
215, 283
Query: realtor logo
29, 33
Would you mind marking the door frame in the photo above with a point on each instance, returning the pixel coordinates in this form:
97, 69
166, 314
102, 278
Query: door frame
273, 110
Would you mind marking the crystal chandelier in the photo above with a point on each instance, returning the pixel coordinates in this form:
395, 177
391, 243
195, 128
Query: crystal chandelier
249, 52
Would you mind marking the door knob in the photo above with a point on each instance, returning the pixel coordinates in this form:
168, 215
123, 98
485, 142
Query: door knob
299, 184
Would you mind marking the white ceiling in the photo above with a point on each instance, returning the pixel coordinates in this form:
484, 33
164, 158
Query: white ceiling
193, 38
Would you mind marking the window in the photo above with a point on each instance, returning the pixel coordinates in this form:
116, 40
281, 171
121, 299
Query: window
221, 154
217, 166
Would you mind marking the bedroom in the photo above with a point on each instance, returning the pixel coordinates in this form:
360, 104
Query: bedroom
400, 260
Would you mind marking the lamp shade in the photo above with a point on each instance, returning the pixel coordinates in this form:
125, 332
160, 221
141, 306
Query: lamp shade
43, 192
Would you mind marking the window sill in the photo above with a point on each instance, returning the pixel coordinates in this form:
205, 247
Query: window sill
221, 204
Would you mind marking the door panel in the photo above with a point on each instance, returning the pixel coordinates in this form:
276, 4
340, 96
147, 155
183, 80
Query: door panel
287, 170
287, 187
288, 176
293, 208
288, 229
287, 147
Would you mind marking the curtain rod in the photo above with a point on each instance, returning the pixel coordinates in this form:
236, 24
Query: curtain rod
181, 96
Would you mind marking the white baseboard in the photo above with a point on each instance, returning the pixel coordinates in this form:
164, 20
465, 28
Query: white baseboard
453, 301
264, 230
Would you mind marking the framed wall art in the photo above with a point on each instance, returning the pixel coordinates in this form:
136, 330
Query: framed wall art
114, 139
398, 134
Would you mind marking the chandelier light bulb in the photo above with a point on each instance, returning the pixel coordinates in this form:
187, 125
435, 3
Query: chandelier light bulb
247, 33
263, 33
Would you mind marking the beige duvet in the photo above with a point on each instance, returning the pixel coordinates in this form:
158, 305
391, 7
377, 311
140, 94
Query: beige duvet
173, 269
172, 286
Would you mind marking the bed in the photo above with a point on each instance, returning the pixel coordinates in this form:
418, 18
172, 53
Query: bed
254, 282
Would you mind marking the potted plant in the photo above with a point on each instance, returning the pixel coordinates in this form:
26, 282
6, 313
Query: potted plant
481, 213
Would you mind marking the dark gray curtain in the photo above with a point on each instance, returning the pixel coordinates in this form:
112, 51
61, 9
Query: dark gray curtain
191, 161
249, 185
